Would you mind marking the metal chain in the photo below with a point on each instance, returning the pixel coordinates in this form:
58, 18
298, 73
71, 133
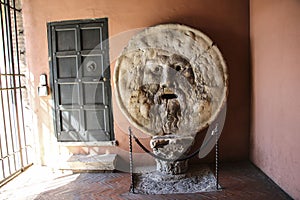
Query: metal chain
131, 161
217, 161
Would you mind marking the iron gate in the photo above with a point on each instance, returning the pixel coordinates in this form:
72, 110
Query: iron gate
15, 149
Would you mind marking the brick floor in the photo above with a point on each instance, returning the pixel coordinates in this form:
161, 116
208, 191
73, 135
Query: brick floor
239, 181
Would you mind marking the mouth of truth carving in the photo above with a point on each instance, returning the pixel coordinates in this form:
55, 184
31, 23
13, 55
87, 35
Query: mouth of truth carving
170, 79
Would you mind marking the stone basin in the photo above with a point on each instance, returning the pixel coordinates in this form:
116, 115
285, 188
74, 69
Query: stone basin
170, 148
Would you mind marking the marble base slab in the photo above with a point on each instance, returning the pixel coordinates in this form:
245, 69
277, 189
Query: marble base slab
200, 179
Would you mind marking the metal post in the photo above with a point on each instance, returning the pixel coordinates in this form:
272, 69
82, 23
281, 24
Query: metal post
131, 161
217, 161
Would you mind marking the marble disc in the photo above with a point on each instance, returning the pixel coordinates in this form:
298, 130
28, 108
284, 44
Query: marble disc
170, 79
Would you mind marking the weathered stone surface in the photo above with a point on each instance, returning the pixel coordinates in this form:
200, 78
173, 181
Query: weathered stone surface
171, 147
198, 180
170, 79
91, 162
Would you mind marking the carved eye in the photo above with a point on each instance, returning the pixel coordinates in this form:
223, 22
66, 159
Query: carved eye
177, 68
156, 69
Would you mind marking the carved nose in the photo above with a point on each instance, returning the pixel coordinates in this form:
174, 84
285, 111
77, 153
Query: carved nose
167, 76
166, 83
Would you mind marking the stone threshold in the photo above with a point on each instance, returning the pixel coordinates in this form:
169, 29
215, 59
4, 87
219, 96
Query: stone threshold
90, 163
90, 144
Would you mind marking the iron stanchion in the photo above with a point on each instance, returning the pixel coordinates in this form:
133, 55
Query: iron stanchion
131, 161
217, 160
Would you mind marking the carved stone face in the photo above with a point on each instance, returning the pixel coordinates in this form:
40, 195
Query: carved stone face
161, 75
163, 90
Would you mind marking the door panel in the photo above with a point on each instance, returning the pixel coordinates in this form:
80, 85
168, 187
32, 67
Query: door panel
66, 40
80, 78
92, 65
91, 37
67, 67
91, 123
93, 93
68, 94
69, 120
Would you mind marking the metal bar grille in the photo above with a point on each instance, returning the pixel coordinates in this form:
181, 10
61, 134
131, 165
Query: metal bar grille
14, 148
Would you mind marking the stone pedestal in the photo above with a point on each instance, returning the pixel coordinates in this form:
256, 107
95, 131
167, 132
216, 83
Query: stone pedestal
171, 147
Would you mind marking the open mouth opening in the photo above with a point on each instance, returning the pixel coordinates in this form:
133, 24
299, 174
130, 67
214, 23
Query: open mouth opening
169, 96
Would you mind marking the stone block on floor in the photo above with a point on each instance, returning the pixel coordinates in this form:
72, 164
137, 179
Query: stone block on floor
91, 163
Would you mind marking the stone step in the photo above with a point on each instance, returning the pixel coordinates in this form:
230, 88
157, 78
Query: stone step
91, 163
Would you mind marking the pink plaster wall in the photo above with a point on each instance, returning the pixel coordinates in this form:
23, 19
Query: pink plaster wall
275, 48
226, 22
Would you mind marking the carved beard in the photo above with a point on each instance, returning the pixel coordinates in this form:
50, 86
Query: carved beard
147, 97
171, 121
155, 102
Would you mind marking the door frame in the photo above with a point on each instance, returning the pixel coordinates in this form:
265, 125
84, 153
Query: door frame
104, 21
